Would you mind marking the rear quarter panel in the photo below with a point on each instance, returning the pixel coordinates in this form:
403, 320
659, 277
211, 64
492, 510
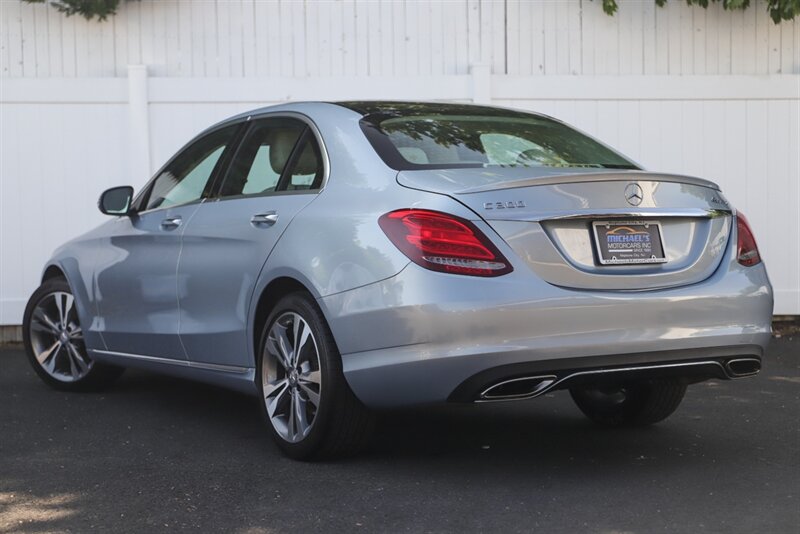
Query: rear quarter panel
335, 243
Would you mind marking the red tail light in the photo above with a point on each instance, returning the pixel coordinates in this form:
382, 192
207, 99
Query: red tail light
443, 242
747, 249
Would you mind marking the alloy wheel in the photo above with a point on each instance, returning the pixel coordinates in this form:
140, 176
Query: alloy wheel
57, 338
291, 377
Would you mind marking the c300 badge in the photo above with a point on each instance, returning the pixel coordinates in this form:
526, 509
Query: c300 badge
503, 205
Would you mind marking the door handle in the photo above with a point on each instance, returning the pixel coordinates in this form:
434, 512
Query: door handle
171, 223
268, 218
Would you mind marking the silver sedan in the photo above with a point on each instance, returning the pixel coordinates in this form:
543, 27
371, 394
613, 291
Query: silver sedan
336, 258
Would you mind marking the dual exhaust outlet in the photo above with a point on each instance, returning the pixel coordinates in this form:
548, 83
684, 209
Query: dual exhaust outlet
528, 387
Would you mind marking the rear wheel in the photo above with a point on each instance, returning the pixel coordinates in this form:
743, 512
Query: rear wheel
54, 341
638, 403
306, 402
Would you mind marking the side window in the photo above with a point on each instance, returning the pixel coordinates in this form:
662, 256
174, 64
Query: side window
306, 169
187, 176
264, 153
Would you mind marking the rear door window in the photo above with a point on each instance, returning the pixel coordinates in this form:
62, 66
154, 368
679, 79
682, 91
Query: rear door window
262, 157
306, 170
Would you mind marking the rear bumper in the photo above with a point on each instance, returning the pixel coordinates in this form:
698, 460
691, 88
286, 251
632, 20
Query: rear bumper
420, 336
532, 379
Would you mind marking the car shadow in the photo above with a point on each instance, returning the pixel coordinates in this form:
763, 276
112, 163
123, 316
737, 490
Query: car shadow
544, 433
154, 452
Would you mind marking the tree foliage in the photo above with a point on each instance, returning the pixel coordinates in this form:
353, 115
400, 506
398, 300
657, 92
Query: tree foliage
778, 9
86, 8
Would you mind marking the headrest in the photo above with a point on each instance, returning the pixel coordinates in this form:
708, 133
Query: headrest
281, 142
413, 154
532, 156
307, 162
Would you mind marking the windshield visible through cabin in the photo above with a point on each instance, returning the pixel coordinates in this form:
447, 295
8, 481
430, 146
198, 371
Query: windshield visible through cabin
461, 140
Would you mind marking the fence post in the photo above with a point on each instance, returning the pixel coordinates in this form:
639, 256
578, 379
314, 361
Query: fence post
138, 124
481, 83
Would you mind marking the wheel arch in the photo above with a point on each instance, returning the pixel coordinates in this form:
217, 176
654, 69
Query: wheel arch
269, 296
53, 271
78, 278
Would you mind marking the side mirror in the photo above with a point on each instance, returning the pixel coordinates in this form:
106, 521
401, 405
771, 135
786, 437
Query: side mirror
116, 201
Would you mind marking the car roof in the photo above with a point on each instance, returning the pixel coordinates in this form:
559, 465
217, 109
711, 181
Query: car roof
402, 108
392, 108
377, 110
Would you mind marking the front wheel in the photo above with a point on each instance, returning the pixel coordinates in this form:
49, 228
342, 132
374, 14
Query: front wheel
634, 404
306, 402
54, 342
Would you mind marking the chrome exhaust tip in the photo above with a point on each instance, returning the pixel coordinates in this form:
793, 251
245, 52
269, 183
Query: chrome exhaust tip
526, 387
742, 367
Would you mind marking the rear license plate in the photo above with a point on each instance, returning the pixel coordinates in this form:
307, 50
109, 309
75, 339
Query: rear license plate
628, 242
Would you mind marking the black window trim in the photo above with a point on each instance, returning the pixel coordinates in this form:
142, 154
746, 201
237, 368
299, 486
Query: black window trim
221, 171
143, 197
217, 192
283, 182
244, 122
223, 176
309, 130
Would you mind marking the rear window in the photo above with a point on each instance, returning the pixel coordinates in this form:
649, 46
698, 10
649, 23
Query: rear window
462, 140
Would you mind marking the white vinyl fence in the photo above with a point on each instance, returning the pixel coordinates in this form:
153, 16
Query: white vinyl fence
85, 106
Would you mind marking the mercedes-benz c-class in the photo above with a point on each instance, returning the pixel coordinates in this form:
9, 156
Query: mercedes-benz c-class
337, 258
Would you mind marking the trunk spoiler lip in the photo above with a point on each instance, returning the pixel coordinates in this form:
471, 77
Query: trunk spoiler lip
623, 213
601, 176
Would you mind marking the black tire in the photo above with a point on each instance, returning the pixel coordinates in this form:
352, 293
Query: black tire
99, 375
634, 404
341, 424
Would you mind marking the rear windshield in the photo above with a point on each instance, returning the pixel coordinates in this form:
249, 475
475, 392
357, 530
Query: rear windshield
462, 140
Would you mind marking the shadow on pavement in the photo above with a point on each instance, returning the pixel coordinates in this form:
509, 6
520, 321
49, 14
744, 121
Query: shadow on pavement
158, 453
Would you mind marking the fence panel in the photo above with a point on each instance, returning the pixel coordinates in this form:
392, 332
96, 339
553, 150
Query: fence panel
65, 140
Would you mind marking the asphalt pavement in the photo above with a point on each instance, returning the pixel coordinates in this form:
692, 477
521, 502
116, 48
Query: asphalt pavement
159, 454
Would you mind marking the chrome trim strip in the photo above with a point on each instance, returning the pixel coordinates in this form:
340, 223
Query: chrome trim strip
701, 213
609, 175
641, 368
609, 371
180, 363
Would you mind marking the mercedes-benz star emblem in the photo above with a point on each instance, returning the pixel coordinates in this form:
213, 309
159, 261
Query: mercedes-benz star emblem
634, 194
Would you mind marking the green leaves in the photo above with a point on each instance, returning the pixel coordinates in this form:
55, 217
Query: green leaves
610, 6
88, 9
783, 9
778, 9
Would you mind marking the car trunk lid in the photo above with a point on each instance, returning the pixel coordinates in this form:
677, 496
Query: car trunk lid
565, 225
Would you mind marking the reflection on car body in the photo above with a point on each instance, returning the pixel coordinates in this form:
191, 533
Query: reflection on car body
335, 258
